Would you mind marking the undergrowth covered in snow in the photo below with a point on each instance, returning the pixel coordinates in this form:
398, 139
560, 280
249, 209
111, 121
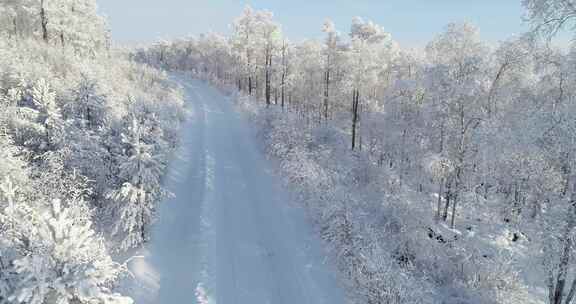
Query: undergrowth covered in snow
379, 232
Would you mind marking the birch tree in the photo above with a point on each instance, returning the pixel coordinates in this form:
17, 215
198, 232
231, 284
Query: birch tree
366, 39
457, 55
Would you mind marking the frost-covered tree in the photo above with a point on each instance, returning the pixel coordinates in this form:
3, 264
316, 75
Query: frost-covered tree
550, 16
140, 172
458, 57
439, 168
89, 105
50, 116
256, 41
68, 23
272, 38
367, 41
66, 263
331, 57
244, 45
214, 51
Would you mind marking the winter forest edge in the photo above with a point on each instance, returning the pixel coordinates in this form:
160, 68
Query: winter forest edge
444, 175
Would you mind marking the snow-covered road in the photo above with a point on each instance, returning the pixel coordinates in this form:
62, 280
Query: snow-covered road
230, 233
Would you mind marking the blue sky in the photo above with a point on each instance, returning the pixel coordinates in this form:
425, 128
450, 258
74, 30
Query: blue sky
412, 22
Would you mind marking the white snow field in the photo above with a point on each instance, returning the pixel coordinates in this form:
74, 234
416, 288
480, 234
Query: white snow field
230, 234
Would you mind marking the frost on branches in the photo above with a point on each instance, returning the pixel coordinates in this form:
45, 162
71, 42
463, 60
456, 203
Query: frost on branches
79, 121
140, 172
448, 171
65, 262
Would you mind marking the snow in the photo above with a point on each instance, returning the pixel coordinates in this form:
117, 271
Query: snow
229, 234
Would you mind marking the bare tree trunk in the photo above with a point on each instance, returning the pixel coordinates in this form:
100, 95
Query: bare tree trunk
326, 93
556, 291
493, 88
282, 90
448, 197
439, 211
15, 23
284, 72
442, 137
89, 117
359, 130
268, 66
551, 287
143, 227
43, 21
460, 162
563, 265
458, 184
571, 293
355, 103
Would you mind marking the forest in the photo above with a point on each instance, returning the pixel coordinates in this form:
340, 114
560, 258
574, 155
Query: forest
85, 134
438, 175
445, 173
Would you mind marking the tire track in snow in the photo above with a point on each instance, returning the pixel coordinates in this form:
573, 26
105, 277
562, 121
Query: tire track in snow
230, 236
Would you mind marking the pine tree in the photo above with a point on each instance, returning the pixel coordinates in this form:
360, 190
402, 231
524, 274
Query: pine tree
140, 172
68, 264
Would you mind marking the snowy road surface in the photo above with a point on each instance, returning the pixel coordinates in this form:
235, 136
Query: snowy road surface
229, 236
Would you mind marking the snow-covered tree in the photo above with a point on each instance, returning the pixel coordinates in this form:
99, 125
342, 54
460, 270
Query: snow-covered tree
439, 168
67, 263
256, 40
50, 115
550, 16
367, 41
89, 105
244, 45
67, 23
455, 81
140, 172
331, 57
